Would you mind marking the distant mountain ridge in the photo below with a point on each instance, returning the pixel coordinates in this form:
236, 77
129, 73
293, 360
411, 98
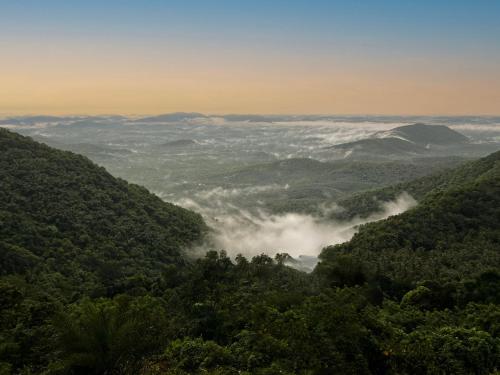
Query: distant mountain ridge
303, 183
172, 117
41, 119
404, 141
425, 135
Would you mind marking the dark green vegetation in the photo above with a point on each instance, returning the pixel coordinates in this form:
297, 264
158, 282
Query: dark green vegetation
93, 282
310, 183
365, 203
63, 217
448, 237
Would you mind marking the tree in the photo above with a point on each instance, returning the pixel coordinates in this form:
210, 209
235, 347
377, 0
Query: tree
106, 336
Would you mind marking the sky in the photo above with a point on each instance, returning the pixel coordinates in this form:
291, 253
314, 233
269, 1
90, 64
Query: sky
390, 57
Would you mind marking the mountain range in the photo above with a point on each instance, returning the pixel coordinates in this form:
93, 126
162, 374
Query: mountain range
97, 277
409, 141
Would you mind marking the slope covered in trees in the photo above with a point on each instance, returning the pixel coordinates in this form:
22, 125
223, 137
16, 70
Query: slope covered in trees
417, 293
311, 183
62, 214
453, 234
365, 203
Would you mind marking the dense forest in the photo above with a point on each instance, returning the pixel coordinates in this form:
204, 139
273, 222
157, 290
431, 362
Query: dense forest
363, 204
94, 279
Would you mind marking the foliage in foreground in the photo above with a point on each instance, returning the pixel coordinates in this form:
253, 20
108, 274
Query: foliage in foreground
253, 317
417, 293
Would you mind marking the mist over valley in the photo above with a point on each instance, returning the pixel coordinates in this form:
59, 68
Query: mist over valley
271, 184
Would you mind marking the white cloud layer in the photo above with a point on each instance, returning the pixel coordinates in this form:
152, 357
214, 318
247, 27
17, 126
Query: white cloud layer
248, 233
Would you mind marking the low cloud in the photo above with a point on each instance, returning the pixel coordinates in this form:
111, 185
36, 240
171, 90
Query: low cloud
251, 233
220, 192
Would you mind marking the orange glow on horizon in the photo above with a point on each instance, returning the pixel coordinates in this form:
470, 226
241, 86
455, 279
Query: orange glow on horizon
60, 83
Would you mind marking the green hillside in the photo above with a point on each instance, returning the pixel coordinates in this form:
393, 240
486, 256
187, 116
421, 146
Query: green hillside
310, 183
452, 235
365, 203
93, 282
62, 214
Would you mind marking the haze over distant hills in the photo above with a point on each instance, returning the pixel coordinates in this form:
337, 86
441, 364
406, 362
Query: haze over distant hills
179, 143
82, 252
89, 261
252, 118
425, 135
283, 163
171, 117
409, 141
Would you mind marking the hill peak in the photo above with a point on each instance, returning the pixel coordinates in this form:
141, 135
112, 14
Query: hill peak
425, 135
172, 117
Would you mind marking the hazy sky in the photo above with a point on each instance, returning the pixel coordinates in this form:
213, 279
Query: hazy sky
258, 56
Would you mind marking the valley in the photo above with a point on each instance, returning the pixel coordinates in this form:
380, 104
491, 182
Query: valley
244, 174
272, 260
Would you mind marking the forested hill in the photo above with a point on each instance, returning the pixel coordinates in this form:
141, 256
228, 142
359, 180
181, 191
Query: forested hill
425, 135
366, 203
452, 235
64, 216
90, 283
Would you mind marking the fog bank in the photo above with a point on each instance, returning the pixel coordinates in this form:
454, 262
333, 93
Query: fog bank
253, 233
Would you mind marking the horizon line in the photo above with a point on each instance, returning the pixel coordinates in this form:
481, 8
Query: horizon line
208, 114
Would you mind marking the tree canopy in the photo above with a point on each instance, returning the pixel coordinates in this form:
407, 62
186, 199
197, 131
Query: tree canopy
93, 281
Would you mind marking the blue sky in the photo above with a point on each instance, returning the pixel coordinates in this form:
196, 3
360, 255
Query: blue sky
364, 36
